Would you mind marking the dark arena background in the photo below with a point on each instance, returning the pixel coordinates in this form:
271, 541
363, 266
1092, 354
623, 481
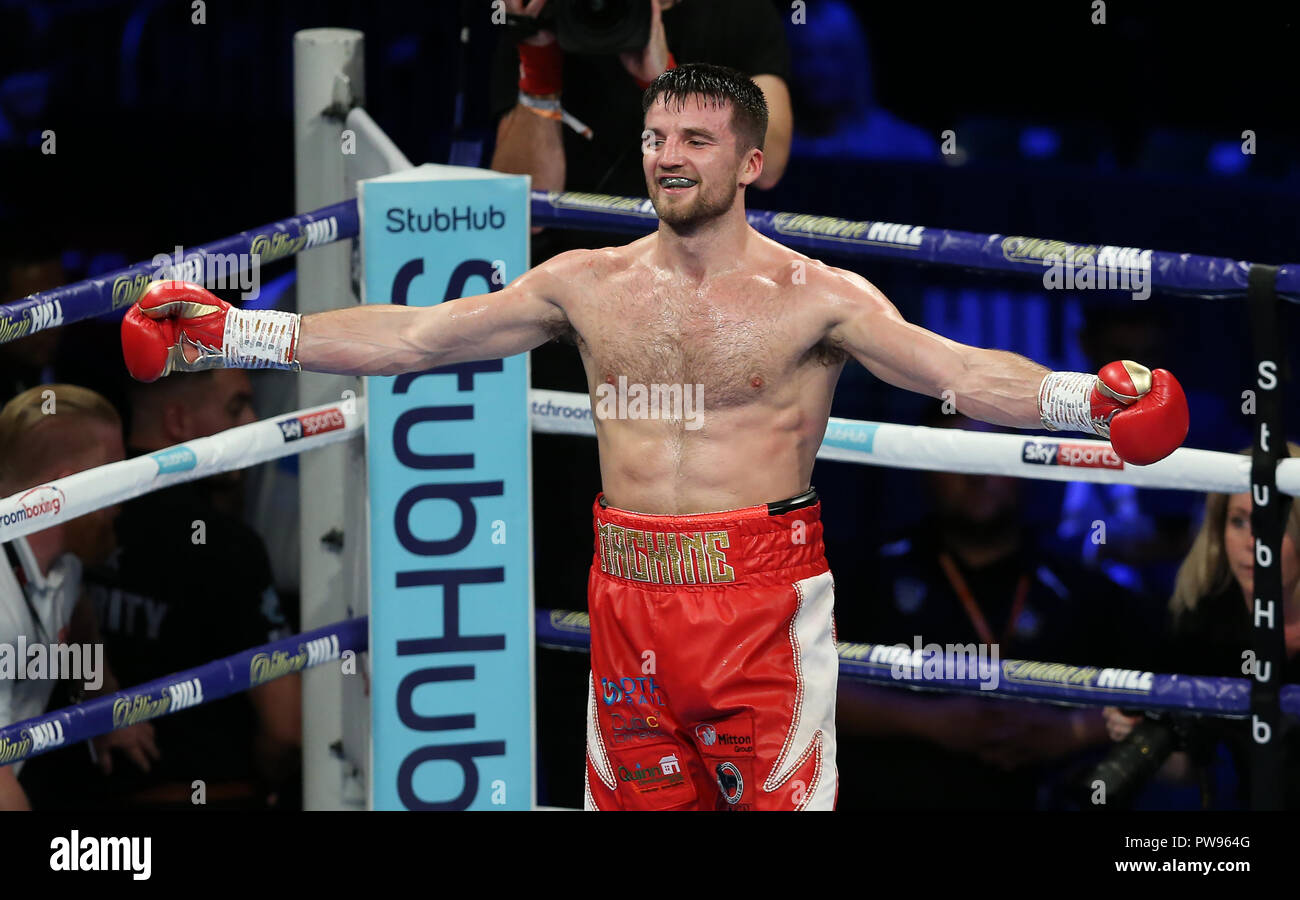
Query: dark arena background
1164, 125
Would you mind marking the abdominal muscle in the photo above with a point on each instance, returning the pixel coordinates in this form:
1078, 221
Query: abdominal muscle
743, 456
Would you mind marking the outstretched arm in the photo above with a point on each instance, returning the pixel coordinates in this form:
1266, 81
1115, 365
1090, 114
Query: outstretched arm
388, 340
990, 385
177, 326
1142, 412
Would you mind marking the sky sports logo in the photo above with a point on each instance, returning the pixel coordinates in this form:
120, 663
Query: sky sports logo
311, 425
1090, 455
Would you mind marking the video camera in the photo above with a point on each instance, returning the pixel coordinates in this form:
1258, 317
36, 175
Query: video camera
590, 27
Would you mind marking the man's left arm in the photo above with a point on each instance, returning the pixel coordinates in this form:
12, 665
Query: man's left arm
1142, 412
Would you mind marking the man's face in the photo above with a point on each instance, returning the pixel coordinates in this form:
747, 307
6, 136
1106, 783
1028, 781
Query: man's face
975, 501
1239, 546
225, 401
30, 278
974, 504
692, 168
91, 536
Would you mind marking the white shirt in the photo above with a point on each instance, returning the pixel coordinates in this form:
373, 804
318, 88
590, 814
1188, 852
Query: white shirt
52, 598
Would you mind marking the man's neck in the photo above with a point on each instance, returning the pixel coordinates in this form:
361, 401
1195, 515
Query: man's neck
714, 247
47, 546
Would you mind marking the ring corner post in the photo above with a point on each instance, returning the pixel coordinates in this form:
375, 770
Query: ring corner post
329, 75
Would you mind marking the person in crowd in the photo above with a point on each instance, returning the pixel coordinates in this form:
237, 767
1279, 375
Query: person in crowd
192, 583
838, 116
48, 432
973, 572
29, 360
1210, 633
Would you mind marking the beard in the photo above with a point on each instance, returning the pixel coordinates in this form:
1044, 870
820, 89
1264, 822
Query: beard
685, 213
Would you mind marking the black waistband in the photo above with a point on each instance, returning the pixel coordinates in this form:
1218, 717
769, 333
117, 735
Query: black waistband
798, 501
778, 508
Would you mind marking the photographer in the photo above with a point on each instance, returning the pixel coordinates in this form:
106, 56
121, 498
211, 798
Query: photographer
547, 94
1210, 627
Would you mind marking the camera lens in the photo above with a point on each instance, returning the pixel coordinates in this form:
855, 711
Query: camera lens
1132, 762
600, 13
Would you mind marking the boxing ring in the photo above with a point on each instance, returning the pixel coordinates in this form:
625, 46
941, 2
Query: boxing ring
340, 425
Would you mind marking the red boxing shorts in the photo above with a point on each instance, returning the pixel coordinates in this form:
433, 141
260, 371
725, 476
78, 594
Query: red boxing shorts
713, 662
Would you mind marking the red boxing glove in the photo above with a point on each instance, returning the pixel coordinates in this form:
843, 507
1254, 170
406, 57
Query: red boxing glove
173, 316
1146, 411
169, 316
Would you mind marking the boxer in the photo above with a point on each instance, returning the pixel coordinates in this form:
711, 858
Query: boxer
713, 651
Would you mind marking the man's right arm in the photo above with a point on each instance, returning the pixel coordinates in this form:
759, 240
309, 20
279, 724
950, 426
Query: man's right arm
176, 326
389, 340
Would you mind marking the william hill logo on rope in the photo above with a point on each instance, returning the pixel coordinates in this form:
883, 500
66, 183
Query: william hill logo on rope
1081, 677
131, 709
264, 667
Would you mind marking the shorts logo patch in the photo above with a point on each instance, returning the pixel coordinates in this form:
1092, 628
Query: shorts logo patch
655, 774
624, 729
632, 691
730, 782
729, 739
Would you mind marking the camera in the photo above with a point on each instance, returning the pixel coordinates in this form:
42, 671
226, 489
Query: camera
591, 27
1131, 763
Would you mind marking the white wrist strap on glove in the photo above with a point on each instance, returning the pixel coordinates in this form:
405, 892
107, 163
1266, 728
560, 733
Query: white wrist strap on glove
1065, 403
261, 339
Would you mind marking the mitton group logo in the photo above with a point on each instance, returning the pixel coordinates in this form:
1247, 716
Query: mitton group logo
731, 741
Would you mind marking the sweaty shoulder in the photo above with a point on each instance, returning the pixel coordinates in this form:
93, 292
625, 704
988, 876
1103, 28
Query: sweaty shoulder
843, 294
838, 293
568, 275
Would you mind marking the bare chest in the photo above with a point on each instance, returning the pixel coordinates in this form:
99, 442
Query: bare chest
736, 343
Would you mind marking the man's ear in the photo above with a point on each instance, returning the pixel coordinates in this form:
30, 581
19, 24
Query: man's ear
752, 167
176, 422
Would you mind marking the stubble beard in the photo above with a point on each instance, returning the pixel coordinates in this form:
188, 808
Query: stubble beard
702, 209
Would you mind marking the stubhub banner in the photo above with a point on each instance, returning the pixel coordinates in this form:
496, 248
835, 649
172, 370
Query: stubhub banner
451, 624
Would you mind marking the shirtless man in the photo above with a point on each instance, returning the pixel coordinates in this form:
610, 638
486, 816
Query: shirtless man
708, 539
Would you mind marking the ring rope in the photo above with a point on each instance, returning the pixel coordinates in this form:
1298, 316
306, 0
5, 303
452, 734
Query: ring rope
891, 665
977, 453
560, 412
1180, 273
45, 505
183, 690
901, 666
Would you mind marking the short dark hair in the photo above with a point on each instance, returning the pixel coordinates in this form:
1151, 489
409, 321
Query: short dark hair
717, 85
